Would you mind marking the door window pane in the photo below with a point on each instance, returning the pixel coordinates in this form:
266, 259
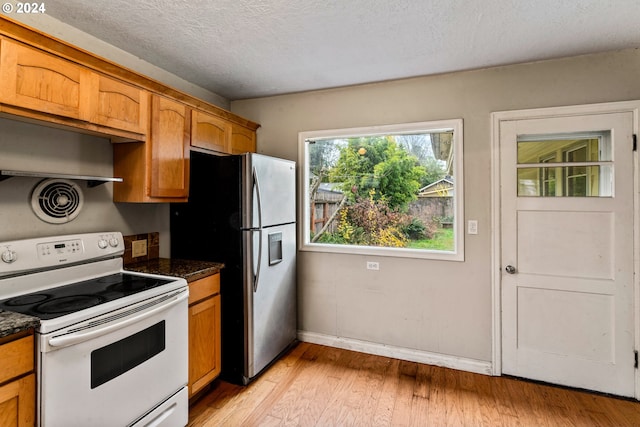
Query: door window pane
583, 181
568, 165
538, 149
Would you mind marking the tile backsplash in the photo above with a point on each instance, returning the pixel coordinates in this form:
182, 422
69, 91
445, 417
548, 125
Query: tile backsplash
153, 247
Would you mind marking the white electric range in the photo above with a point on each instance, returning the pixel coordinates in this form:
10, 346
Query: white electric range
112, 346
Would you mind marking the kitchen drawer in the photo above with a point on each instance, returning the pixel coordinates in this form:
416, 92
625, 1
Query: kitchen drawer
204, 288
17, 358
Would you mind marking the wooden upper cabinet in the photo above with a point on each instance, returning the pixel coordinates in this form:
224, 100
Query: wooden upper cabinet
156, 170
169, 142
118, 105
242, 140
45, 84
38, 81
210, 132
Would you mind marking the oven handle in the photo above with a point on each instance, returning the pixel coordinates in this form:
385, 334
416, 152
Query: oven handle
75, 338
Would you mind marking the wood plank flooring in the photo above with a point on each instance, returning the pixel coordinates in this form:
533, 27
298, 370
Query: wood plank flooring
314, 385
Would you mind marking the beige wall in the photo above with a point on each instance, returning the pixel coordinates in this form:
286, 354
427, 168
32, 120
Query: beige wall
431, 306
37, 148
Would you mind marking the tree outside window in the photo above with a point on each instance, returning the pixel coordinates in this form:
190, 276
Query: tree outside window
384, 190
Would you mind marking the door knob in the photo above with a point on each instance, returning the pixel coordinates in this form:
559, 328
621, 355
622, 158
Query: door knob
510, 269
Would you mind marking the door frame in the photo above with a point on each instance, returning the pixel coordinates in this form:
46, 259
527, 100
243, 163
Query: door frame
496, 224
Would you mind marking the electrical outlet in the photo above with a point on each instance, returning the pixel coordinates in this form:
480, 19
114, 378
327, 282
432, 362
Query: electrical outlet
372, 265
138, 248
472, 226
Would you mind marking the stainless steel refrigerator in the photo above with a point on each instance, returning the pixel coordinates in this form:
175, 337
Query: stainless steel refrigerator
241, 211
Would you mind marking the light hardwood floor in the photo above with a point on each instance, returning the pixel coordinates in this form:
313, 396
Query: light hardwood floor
314, 385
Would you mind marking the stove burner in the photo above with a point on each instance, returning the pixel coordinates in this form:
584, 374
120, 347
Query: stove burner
27, 299
133, 284
68, 304
58, 301
112, 279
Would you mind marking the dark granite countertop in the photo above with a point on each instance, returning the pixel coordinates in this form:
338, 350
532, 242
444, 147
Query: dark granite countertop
190, 270
12, 323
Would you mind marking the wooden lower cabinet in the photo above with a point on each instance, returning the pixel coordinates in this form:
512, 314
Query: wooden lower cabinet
17, 383
18, 402
204, 332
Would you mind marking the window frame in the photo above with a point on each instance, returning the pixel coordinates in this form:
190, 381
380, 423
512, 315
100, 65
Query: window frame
545, 173
567, 171
304, 243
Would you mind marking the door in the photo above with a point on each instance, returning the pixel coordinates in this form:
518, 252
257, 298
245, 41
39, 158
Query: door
567, 250
271, 295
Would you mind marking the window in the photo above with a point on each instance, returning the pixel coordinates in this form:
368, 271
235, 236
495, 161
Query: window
566, 165
391, 190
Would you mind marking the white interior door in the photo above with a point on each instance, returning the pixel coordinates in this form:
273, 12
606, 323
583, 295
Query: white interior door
567, 250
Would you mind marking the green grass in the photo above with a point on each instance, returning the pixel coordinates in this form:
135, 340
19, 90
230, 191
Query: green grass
442, 241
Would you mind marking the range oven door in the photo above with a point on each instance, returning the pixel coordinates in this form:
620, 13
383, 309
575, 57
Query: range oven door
119, 368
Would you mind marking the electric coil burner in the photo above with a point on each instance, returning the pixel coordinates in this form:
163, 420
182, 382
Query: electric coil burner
105, 334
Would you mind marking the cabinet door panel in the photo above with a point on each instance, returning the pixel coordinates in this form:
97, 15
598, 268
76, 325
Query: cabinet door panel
118, 105
242, 140
169, 149
210, 132
204, 343
39, 81
18, 402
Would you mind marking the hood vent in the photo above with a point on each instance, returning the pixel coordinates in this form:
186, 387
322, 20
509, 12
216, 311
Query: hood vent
57, 201
92, 181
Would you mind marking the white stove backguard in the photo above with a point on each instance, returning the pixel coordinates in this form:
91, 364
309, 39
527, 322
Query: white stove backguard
29, 255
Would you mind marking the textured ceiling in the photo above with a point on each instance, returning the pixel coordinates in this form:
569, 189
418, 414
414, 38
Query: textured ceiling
251, 48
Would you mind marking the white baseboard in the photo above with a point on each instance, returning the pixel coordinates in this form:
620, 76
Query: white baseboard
411, 355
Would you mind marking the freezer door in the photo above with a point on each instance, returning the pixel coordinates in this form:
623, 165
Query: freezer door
271, 295
269, 191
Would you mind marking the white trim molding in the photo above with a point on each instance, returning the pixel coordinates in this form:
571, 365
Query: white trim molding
496, 268
408, 354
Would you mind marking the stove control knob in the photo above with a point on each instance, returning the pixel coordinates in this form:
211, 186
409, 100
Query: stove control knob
113, 242
102, 243
9, 256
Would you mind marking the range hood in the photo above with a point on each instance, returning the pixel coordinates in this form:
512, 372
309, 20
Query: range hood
92, 181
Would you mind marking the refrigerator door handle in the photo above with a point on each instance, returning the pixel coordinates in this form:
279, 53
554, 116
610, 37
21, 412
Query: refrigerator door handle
256, 274
256, 185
